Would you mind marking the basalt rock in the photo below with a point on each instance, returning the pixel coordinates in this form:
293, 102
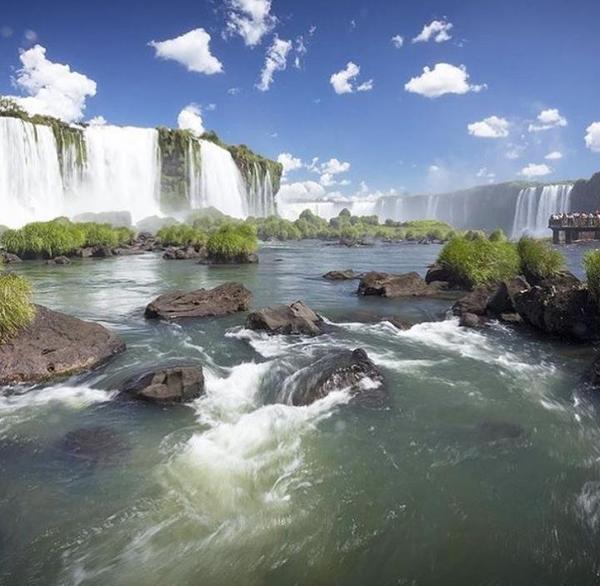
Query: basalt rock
102, 252
222, 300
55, 345
240, 259
59, 260
9, 258
184, 253
405, 285
296, 318
352, 370
176, 384
502, 301
343, 275
441, 273
471, 320
475, 302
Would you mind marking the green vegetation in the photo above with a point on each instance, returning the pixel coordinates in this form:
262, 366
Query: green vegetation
232, 241
498, 235
181, 235
61, 237
479, 261
248, 160
16, 309
591, 262
538, 259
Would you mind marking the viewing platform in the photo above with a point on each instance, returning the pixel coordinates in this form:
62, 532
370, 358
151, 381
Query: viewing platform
576, 226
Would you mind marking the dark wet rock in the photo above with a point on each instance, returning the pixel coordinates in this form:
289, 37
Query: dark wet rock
592, 375
116, 219
59, 260
398, 323
55, 345
102, 252
341, 369
9, 258
176, 384
503, 299
471, 320
511, 318
184, 253
405, 285
561, 280
343, 275
296, 318
240, 259
567, 312
222, 300
441, 273
94, 445
85, 252
127, 250
474, 302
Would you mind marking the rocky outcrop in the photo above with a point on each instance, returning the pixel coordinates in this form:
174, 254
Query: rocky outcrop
405, 285
474, 303
55, 345
222, 300
9, 258
240, 259
296, 318
175, 384
343, 275
59, 260
184, 253
502, 301
438, 273
352, 370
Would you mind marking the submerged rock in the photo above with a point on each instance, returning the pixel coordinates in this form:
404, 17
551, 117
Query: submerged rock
343, 275
94, 445
296, 318
177, 384
59, 260
55, 345
352, 370
222, 300
405, 285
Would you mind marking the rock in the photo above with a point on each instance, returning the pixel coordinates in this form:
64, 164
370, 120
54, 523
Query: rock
116, 219
511, 318
391, 286
592, 375
184, 253
439, 272
561, 279
399, 323
85, 252
222, 300
250, 258
341, 369
503, 299
344, 275
94, 445
59, 260
470, 320
127, 251
474, 302
9, 258
102, 252
55, 345
296, 318
177, 384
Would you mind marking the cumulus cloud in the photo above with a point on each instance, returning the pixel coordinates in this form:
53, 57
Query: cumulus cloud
234, 91
192, 50
397, 41
52, 88
97, 121
533, 170
30, 36
491, 127
276, 60
554, 156
190, 118
301, 191
250, 19
592, 137
442, 79
547, 119
289, 162
438, 30
343, 81
484, 173
335, 167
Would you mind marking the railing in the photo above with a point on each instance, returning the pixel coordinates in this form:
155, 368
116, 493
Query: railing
580, 221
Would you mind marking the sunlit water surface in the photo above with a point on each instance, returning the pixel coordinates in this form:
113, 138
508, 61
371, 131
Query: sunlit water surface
483, 471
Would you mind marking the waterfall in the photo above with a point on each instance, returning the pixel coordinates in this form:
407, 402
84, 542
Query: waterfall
30, 181
222, 184
261, 201
535, 205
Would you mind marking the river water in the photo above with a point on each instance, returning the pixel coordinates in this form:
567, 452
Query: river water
485, 469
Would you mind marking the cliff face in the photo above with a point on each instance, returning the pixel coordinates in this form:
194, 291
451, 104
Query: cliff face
585, 196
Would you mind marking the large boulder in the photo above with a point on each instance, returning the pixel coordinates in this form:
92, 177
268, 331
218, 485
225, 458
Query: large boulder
503, 299
175, 384
9, 258
405, 285
352, 370
222, 300
296, 318
239, 259
475, 302
184, 253
343, 275
55, 345
438, 272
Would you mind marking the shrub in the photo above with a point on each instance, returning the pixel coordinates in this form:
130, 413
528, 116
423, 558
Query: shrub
44, 239
181, 235
591, 262
16, 309
498, 235
479, 261
232, 240
538, 260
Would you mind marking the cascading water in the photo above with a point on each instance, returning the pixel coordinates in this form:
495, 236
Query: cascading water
535, 205
261, 200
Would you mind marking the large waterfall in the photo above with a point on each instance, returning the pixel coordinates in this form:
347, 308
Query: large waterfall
47, 172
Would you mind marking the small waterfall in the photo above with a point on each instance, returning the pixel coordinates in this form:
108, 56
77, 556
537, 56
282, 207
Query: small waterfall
432, 206
222, 184
534, 207
260, 193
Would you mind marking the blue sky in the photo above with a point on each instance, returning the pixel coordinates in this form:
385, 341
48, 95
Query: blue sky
535, 56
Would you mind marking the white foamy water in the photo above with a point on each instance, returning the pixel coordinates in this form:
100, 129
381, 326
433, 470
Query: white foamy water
535, 205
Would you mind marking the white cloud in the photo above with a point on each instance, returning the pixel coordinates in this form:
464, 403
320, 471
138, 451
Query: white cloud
301, 191
192, 50
438, 30
397, 41
592, 137
250, 19
211, 107
512, 154
335, 167
484, 173
491, 127
547, 119
442, 79
434, 169
289, 162
276, 60
533, 170
53, 89
300, 51
554, 156
31, 36
327, 180
97, 121
234, 91
190, 118
343, 80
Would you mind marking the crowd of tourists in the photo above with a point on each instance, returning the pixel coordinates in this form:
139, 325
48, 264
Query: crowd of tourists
576, 220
